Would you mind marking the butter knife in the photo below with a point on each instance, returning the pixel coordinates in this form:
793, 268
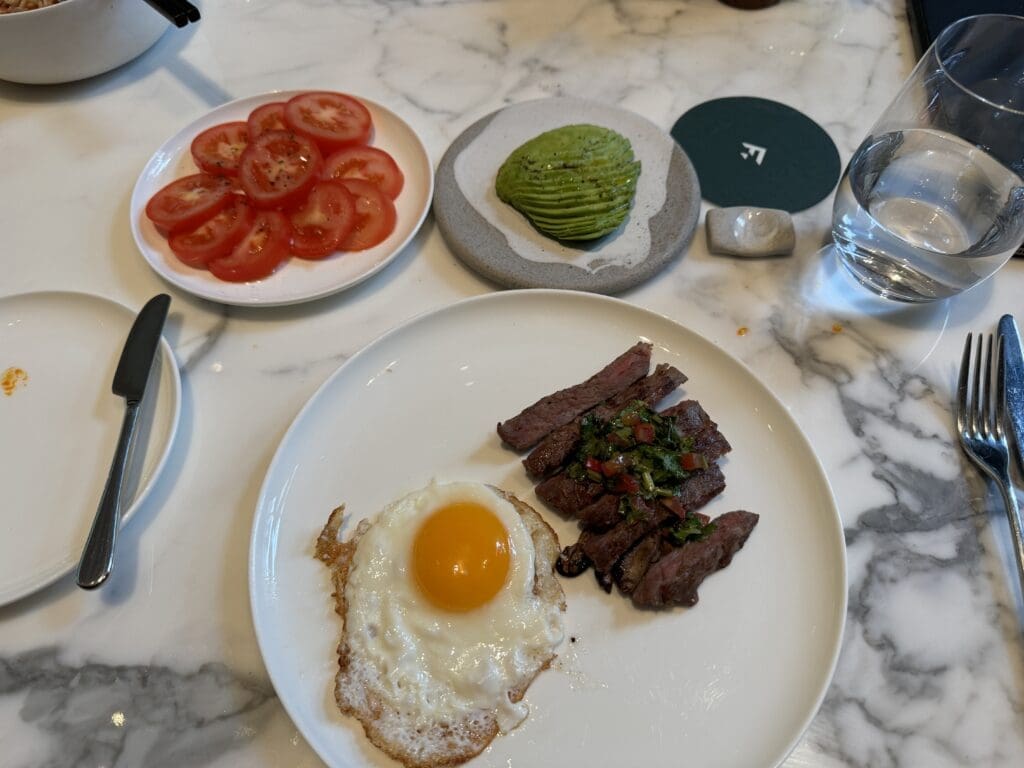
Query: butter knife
130, 383
1013, 383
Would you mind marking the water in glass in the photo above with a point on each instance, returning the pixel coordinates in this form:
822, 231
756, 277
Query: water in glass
921, 214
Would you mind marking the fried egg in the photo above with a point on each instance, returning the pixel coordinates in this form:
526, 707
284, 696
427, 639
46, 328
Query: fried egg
450, 610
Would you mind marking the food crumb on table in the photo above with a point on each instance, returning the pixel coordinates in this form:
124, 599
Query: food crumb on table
742, 330
12, 378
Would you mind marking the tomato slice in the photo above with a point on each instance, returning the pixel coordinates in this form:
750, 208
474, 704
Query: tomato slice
279, 168
332, 120
375, 215
189, 201
217, 150
261, 250
269, 117
374, 165
324, 221
626, 484
644, 433
214, 237
692, 461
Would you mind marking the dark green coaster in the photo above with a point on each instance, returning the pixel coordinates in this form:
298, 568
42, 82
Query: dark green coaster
750, 151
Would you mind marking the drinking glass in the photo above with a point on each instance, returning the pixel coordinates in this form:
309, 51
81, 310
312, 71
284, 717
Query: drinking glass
932, 201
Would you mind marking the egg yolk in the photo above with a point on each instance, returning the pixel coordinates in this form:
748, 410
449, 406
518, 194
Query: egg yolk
460, 556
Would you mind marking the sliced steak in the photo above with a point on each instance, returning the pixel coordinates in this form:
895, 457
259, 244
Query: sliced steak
630, 570
690, 417
674, 579
549, 413
711, 443
557, 448
650, 390
693, 421
553, 451
569, 496
602, 514
696, 491
572, 561
604, 549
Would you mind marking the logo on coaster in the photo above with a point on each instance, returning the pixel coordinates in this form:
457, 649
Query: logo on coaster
757, 152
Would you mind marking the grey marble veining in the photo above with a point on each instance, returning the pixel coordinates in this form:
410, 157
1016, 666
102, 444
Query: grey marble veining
928, 584
126, 715
192, 351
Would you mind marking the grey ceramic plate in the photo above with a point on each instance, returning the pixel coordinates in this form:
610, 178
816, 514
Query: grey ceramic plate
497, 241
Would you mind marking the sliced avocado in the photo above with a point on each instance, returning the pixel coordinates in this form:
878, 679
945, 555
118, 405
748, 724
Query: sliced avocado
573, 183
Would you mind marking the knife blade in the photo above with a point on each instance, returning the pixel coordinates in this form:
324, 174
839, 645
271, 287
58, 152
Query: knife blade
1013, 383
140, 349
130, 383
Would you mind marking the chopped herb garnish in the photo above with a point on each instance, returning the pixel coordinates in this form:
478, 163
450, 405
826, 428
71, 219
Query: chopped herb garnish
690, 529
630, 511
636, 451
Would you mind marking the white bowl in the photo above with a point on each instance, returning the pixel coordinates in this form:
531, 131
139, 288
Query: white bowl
75, 39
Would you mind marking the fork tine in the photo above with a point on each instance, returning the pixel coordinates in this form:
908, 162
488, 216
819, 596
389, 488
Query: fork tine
986, 406
963, 415
976, 392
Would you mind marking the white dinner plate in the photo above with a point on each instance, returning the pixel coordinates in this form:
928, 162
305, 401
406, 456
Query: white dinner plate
732, 682
59, 424
299, 279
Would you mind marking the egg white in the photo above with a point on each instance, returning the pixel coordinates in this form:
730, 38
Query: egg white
432, 664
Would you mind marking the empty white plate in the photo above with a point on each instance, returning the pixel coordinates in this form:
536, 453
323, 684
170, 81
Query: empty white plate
59, 423
731, 682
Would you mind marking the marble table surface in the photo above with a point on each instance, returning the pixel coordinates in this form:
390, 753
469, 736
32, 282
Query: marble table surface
161, 667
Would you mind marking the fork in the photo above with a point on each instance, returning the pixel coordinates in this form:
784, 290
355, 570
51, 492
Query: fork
979, 422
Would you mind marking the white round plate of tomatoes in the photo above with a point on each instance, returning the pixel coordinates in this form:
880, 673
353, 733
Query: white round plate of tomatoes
261, 215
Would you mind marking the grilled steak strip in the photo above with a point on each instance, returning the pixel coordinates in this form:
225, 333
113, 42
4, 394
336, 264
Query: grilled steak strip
568, 496
557, 448
630, 570
693, 421
602, 514
604, 580
605, 549
553, 451
696, 491
572, 561
690, 417
650, 390
674, 579
711, 443
586, 500
548, 413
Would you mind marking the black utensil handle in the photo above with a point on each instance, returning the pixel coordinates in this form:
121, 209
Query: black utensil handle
174, 11
98, 556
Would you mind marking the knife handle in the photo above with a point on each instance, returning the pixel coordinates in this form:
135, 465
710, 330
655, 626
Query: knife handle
1013, 385
1016, 524
98, 556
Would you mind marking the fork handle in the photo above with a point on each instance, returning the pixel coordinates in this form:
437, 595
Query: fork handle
1013, 512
